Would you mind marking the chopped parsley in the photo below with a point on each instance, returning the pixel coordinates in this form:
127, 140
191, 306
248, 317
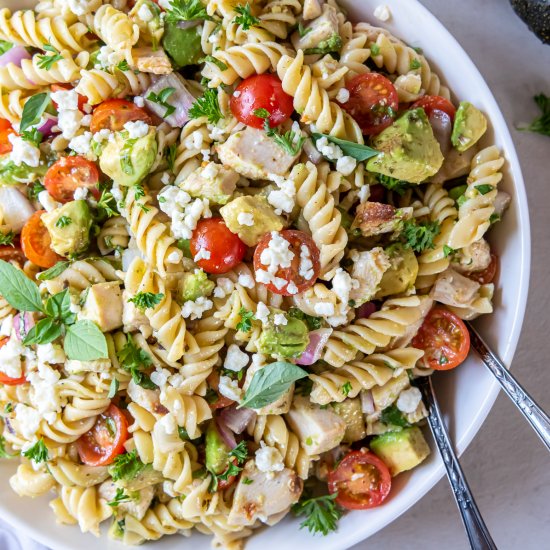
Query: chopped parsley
393, 416
34, 190
248, 481
415, 64
126, 466
123, 66
419, 236
245, 324
207, 106
313, 323
346, 388
375, 49
146, 300
63, 221
289, 141
218, 62
245, 17
448, 251
186, 10
3, 452
393, 184
47, 61
38, 452
107, 204
162, 99
32, 136
120, 497
170, 153
133, 359
493, 218
240, 454
484, 188
6, 239
322, 513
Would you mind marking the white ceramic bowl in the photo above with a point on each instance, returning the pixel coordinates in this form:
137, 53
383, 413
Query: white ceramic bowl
466, 394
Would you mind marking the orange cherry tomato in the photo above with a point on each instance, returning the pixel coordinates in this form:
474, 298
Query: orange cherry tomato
4, 378
36, 242
82, 100
67, 174
221, 401
105, 441
113, 114
431, 103
444, 338
361, 481
5, 131
290, 275
487, 275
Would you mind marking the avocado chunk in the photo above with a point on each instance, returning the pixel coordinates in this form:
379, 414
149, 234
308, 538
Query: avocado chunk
127, 161
401, 274
350, 410
401, 451
408, 149
11, 174
288, 340
194, 285
182, 45
144, 478
214, 182
469, 125
242, 211
69, 227
216, 450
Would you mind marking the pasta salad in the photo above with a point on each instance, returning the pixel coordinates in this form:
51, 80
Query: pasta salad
232, 234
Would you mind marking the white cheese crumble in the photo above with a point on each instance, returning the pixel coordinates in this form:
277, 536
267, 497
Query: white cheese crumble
82, 144
343, 95
346, 165
136, 129
66, 100
382, 13
280, 319
324, 308
245, 218
364, 193
69, 122
173, 258
246, 280
269, 459
194, 310
282, 199
10, 358
23, 152
409, 400
194, 140
292, 288
160, 377
275, 256
6, 326
202, 254
236, 93
52, 354
306, 264
230, 388
342, 285
83, 7
262, 313
80, 193
28, 420
139, 101
235, 359
43, 394
224, 287
108, 57
47, 201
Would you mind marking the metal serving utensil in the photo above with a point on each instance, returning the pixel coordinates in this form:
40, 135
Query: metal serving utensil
537, 418
475, 527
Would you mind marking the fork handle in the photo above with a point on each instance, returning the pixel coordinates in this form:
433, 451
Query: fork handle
536, 417
475, 527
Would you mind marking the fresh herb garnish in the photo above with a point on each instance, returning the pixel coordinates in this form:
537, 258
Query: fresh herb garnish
3, 452
113, 388
33, 110
63, 221
289, 141
120, 497
540, 125
107, 204
207, 106
245, 17
38, 452
322, 513
218, 62
126, 156
240, 454
133, 359
34, 190
85, 341
484, 188
170, 153
346, 388
186, 10
126, 466
415, 64
493, 218
349, 148
123, 66
5, 46
302, 31
313, 323
47, 61
393, 416
393, 184
6, 239
375, 49
8, 408
245, 324
53, 272
32, 136
146, 300
162, 99
248, 481
419, 236
448, 251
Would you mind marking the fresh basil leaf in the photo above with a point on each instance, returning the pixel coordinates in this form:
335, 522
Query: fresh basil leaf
270, 382
44, 332
59, 307
351, 149
19, 291
85, 342
33, 110
54, 271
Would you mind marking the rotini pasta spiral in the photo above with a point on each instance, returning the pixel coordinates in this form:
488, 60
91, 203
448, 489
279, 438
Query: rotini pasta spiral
113, 235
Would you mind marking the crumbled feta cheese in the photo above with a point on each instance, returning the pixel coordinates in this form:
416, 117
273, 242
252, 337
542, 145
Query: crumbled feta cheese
87, 108
342, 285
23, 152
10, 358
194, 140
282, 199
102, 135
194, 310
409, 400
382, 13
145, 14
269, 459
343, 95
80, 193
364, 193
136, 129
277, 254
66, 100
160, 377
46, 200
324, 308
245, 218
306, 264
69, 122
83, 7
224, 287
292, 288
28, 420
230, 388
52, 354
235, 359
246, 280
265, 277
43, 394
173, 258
81, 144
346, 165
280, 319
202, 254
139, 101
329, 150
108, 57
262, 313
216, 134
6, 326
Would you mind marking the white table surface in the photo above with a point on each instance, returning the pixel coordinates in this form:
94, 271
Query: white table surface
506, 466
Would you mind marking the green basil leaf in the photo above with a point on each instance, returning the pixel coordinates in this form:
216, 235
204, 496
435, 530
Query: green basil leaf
59, 305
33, 110
351, 149
85, 342
19, 291
54, 271
44, 332
270, 382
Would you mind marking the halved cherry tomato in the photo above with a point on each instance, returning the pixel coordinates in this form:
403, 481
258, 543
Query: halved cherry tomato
444, 338
224, 248
105, 441
12, 253
290, 274
67, 174
226, 483
5, 131
361, 481
221, 401
431, 103
113, 114
373, 102
487, 275
82, 100
4, 378
36, 242
261, 91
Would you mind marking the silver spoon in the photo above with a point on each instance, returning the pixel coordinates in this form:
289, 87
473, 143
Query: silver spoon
477, 531
536, 417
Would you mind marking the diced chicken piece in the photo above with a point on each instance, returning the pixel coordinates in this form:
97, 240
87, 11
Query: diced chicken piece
502, 201
255, 155
384, 396
319, 429
137, 503
103, 306
148, 399
280, 405
148, 60
453, 289
375, 218
266, 495
312, 9
455, 165
134, 320
474, 257
319, 30
404, 340
74, 366
213, 182
368, 269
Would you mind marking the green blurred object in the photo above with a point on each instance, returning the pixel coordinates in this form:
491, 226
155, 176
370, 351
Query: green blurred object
536, 13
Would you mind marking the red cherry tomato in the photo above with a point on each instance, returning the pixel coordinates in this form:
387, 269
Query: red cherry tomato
261, 91
444, 338
105, 441
5, 131
226, 483
113, 114
36, 241
487, 275
66, 175
361, 481
431, 103
4, 378
221, 401
225, 248
373, 102
290, 274
82, 100
14, 253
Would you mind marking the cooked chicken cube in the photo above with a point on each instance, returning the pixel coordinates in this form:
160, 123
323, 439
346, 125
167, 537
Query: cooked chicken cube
103, 306
474, 257
368, 268
132, 318
134, 503
148, 399
74, 366
264, 496
148, 60
319, 30
213, 182
318, 429
255, 155
453, 289
375, 218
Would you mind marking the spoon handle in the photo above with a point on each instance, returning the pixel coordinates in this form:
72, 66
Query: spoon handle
477, 531
536, 417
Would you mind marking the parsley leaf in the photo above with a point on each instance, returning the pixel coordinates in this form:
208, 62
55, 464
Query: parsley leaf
207, 106
162, 99
419, 236
146, 300
415, 64
47, 61
5, 46
322, 513
245, 324
240, 452
107, 204
346, 388
120, 497
302, 31
313, 323
375, 49
38, 452
448, 251
484, 188
186, 10
289, 141
7, 238
245, 17
123, 66
126, 466
133, 359
34, 190
170, 154
63, 221
393, 184
540, 125
393, 416
218, 62
32, 136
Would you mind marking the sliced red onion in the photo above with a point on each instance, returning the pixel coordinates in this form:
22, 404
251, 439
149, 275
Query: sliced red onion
22, 323
237, 419
364, 311
14, 55
442, 127
311, 151
9, 426
367, 402
181, 99
16, 208
226, 433
46, 128
317, 340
